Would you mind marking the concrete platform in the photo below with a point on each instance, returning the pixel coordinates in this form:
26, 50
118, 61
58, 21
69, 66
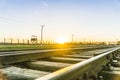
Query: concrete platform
15, 73
46, 65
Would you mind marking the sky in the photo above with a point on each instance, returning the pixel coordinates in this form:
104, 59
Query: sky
95, 20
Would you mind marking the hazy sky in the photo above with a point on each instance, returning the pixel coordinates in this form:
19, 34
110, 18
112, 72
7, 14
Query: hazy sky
90, 19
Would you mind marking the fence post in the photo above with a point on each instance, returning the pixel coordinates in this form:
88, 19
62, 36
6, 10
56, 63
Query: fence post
28, 42
11, 40
23, 41
18, 41
4, 40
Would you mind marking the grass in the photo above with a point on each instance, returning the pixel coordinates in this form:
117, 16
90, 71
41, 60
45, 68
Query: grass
39, 47
31, 47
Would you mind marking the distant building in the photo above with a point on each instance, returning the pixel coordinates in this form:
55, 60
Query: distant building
34, 39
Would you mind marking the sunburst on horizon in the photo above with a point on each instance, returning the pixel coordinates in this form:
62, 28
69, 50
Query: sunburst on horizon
61, 40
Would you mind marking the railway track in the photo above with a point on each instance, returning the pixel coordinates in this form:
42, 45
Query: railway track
75, 64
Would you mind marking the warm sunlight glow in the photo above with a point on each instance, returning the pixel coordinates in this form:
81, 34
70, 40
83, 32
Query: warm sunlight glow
61, 40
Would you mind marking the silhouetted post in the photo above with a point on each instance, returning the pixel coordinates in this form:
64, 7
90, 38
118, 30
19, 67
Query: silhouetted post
72, 37
41, 41
23, 41
11, 40
28, 42
18, 41
4, 40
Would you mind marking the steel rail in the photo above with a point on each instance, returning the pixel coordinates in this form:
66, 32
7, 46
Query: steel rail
83, 70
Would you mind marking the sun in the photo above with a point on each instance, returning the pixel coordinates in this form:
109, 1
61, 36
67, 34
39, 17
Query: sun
61, 40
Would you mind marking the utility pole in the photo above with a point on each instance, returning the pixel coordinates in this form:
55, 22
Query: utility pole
41, 41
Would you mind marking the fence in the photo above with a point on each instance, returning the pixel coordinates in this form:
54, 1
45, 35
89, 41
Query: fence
16, 41
24, 41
